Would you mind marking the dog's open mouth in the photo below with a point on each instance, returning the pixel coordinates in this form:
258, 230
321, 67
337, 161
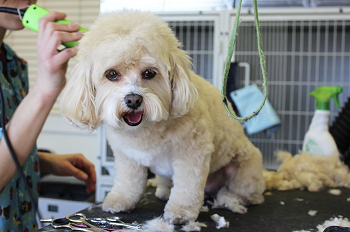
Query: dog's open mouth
134, 118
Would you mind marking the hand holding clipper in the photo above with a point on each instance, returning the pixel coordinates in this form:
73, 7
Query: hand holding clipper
31, 21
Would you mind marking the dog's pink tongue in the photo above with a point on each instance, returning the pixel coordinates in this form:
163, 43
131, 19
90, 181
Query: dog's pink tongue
134, 117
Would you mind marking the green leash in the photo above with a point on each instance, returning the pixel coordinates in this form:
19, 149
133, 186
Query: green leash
229, 57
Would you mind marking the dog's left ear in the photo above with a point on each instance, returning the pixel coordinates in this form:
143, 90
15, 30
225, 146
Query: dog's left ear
184, 91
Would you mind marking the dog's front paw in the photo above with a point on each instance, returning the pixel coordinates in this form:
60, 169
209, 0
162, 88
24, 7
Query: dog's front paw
179, 214
115, 203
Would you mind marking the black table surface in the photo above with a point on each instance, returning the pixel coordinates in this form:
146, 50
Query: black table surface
281, 211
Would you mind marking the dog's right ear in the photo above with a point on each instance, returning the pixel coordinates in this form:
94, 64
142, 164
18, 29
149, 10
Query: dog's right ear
77, 100
184, 92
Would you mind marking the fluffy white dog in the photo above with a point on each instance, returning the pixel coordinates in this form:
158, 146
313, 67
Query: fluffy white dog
132, 76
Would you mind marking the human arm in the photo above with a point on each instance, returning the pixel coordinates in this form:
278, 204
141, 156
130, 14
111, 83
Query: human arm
69, 165
25, 125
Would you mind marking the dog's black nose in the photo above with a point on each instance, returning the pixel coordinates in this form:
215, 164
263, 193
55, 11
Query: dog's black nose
133, 101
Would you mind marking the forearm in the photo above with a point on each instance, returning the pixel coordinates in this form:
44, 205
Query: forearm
46, 162
23, 130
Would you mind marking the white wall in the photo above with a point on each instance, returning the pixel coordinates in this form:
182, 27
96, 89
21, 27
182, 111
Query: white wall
62, 138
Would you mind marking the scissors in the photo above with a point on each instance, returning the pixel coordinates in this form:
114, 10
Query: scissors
115, 221
76, 221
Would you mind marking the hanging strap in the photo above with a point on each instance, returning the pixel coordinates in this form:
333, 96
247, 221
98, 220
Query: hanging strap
229, 57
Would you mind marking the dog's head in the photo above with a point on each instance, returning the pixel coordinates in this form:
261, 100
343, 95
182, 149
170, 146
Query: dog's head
130, 71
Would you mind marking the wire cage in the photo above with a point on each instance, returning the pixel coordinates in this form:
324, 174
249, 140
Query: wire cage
301, 55
197, 38
303, 51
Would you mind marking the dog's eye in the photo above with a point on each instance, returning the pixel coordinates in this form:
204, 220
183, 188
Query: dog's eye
112, 75
149, 74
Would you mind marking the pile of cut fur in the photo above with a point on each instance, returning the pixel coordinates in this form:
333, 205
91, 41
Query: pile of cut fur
313, 172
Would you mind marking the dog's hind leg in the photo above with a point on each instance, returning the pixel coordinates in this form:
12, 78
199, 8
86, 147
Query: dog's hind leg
163, 187
247, 183
227, 199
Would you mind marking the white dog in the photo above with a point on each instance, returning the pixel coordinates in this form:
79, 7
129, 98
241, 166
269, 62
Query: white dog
132, 76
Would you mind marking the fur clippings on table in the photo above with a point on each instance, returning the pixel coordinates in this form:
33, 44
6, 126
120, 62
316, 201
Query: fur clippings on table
158, 225
305, 171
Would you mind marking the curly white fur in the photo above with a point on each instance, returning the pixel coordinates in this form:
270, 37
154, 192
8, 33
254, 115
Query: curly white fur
179, 127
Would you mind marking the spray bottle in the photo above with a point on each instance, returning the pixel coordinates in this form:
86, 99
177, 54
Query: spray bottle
318, 140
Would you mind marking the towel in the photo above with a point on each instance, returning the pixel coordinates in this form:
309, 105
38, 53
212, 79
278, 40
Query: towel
247, 100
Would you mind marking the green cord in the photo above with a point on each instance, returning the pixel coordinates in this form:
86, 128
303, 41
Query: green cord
229, 57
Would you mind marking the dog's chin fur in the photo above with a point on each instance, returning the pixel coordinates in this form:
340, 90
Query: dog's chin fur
185, 136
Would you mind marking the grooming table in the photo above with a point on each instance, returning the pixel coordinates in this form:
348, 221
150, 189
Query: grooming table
281, 211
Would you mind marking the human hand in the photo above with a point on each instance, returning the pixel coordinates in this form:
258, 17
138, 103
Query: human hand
52, 64
69, 165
